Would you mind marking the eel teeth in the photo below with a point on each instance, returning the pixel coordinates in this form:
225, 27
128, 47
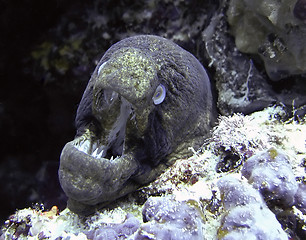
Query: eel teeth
95, 153
114, 159
98, 152
84, 146
100, 155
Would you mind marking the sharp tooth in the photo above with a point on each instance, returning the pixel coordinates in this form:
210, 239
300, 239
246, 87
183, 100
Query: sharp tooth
95, 153
112, 158
99, 155
100, 151
84, 146
81, 147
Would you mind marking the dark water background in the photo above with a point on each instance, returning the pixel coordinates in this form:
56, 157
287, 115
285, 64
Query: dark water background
35, 119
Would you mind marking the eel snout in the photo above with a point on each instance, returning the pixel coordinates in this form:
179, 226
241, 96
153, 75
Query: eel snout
84, 158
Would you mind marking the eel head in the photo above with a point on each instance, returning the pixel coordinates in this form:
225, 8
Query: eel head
131, 122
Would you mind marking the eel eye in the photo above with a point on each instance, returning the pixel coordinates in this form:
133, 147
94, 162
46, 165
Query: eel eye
159, 95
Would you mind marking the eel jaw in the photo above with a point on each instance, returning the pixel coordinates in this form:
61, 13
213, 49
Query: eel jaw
96, 169
88, 145
91, 179
101, 166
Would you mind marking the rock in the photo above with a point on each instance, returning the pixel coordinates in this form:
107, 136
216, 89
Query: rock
273, 31
165, 218
270, 172
247, 216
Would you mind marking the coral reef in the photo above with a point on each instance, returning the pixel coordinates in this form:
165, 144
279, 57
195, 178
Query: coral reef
272, 30
241, 81
270, 172
166, 218
300, 198
115, 231
75, 45
194, 194
241, 87
247, 215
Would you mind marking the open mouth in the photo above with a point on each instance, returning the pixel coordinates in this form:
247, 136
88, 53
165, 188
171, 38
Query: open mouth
96, 149
96, 164
113, 115
93, 148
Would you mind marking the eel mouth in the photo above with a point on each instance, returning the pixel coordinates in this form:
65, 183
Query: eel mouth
113, 112
94, 148
96, 165
88, 144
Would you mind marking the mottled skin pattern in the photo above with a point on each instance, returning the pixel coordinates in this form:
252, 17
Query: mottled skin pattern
118, 117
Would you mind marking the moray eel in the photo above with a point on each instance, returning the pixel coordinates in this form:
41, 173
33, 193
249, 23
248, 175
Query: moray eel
146, 102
